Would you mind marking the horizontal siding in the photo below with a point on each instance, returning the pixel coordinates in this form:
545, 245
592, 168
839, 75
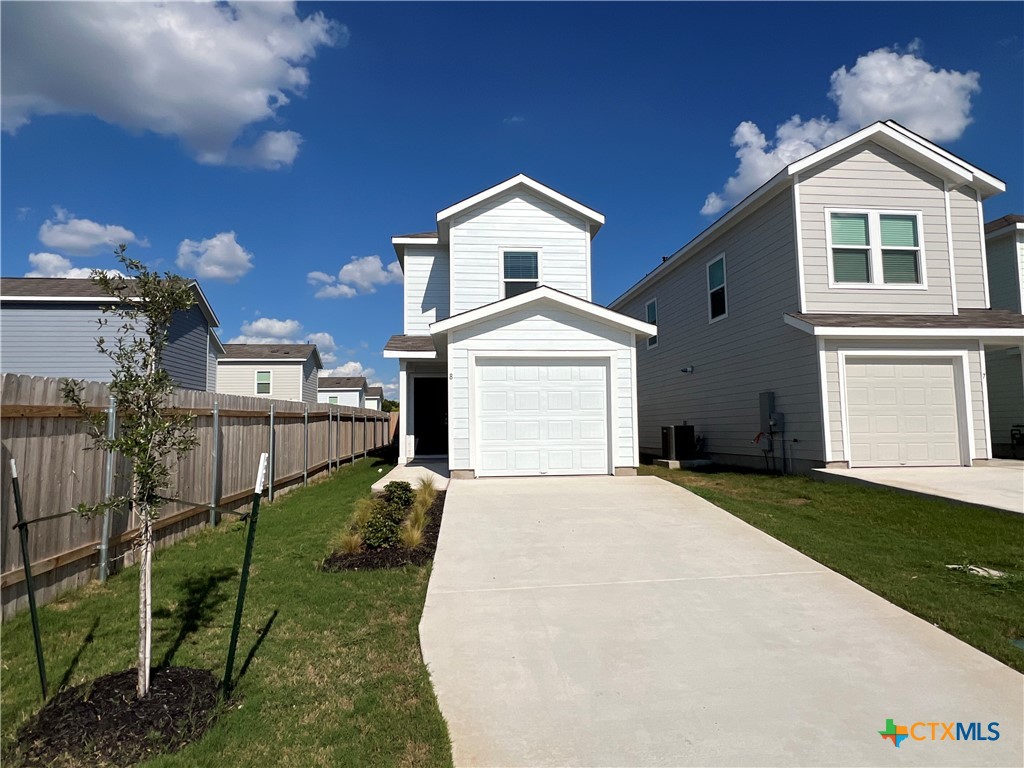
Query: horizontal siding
872, 177
968, 256
235, 378
1006, 271
516, 220
734, 359
426, 287
539, 331
310, 375
346, 397
977, 384
185, 356
1005, 392
211, 365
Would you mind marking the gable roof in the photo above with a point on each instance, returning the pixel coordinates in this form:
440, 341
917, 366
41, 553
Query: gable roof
594, 219
375, 392
341, 382
81, 290
889, 134
545, 295
1008, 223
280, 353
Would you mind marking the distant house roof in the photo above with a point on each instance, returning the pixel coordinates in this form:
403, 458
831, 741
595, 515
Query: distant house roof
341, 382
275, 352
1007, 222
83, 290
970, 322
375, 392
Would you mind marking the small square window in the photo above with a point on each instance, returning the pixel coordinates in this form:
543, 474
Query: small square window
871, 248
262, 382
332, 399
520, 272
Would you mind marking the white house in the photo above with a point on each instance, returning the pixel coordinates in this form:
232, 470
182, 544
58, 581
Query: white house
1004, 365
842, 308
276, 371
342, 390
506, 365
374, 398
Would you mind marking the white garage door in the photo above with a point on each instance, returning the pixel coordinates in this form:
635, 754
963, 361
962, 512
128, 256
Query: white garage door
902, 412
539, 417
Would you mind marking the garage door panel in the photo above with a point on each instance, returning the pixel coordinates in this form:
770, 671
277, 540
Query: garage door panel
902, 412
543, 418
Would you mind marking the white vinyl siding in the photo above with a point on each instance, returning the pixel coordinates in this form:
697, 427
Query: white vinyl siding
536, 332
871, 178
1006, 270
239, 378
426, 287
340, 397
833, 386
516, 221
969, 263
732, 361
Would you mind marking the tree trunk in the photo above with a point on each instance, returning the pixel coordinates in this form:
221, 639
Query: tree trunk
145, 600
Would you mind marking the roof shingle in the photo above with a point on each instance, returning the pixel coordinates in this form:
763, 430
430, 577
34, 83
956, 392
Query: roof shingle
268, 351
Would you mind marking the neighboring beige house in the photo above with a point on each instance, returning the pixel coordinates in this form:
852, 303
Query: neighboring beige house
374, 398
342, 390
277, 371
843, 308
1004, 239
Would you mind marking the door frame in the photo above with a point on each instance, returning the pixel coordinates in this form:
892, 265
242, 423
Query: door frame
606, 358
412, 414
961, 380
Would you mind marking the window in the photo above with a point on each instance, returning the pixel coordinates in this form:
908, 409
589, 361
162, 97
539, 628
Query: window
520, 272
872, 248
652, 318
717, 306
332, 399
262, 382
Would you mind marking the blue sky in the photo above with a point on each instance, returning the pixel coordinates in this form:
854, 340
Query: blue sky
253, 145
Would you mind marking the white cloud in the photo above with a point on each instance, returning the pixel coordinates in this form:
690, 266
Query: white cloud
268, 326
360, 275
217, 258
884, 84
70, 234
351, 368
206, 73
512, 119
55, 265
269, 330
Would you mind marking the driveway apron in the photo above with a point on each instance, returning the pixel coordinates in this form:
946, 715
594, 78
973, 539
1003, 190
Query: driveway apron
627, 622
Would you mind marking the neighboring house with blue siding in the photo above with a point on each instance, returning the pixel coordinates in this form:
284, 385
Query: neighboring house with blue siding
506, 367
1004, 240
274, 371
842, 308
49, 327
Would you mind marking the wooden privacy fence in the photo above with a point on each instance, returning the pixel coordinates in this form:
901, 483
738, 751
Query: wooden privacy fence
59, 469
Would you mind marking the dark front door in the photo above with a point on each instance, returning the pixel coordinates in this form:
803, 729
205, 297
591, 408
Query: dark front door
430, 415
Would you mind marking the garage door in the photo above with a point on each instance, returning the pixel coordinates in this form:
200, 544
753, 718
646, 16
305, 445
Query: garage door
536, 417
902, 412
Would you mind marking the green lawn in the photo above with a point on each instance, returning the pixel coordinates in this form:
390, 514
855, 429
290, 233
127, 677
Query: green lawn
896, 545
337, 680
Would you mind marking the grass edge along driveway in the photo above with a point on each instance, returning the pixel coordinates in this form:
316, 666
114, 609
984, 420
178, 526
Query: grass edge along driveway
894, 544
337, 679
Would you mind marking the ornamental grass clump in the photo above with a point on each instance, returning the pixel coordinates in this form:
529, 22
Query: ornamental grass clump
398, 518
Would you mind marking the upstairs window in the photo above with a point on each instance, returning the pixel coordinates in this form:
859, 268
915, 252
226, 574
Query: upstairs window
871, 248
717, 306
652, 318
520, 272
262, 382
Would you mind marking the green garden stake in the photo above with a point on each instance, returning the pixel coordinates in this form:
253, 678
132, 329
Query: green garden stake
253, 516
22, 527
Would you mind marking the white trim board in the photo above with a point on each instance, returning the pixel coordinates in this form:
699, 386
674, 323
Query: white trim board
849, 331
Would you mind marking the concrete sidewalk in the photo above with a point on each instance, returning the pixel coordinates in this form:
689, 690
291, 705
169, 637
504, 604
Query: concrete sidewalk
436, 473
998, 484
627, 622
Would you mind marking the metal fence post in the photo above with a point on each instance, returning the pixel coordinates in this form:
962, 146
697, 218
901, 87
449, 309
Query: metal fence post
305, 444
108, 492
215, 464
270, 484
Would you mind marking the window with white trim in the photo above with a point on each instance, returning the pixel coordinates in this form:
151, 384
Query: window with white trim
875, 248
652, 318
262, 382
520, 272
332, 399
717, 305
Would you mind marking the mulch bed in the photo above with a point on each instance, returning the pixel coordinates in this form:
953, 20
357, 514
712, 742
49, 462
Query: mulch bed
393, 557
102, 723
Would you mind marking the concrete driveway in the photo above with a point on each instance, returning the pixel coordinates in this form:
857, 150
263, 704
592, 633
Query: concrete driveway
627, 622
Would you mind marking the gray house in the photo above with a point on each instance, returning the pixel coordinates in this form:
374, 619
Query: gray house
1004, 240
837, 316
48, 327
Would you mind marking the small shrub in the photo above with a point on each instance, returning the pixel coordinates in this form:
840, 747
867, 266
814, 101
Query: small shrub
382, 528
410, 536
398, 493
351, 543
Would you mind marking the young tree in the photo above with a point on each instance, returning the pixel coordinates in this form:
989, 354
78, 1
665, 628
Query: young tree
147, 435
